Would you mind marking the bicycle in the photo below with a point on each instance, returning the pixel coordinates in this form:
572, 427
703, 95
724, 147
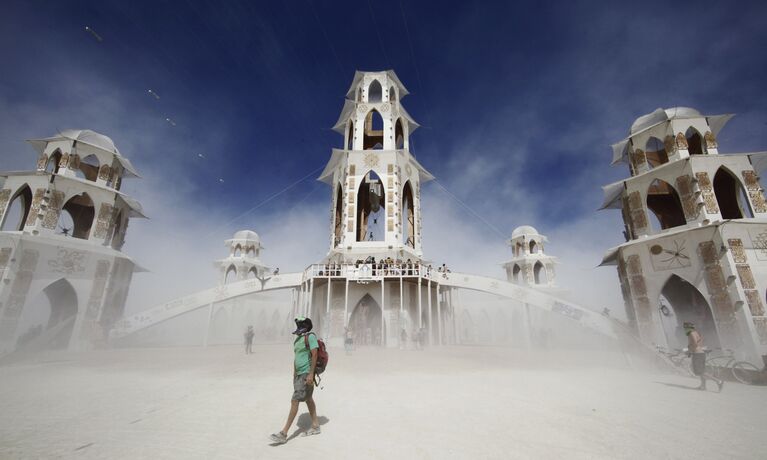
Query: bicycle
725, 365
677, 358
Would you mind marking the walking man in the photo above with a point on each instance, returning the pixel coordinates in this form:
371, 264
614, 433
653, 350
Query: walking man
249, 334
305, 350
696, 349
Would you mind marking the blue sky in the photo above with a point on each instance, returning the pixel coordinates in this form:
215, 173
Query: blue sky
518, 101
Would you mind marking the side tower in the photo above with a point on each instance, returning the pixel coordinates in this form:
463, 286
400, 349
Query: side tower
530, 265
695, 227
64, 279
375, 180
244, 259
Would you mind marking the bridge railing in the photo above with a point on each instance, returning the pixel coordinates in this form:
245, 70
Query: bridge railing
371, 270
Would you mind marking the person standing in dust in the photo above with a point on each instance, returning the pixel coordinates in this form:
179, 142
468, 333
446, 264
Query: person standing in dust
697, 351
305, 348
249, 334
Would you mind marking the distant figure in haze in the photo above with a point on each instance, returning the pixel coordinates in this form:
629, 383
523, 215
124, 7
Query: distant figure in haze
276, 271
422, 338
403, 339
697, 351
249, 334
348, 341
305, 348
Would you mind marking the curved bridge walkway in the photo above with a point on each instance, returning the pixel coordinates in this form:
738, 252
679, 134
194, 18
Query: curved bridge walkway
529, 296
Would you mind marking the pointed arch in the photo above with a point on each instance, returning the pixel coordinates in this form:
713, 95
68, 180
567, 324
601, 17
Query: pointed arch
117, 232
338, 216
655, 152
539, 273
89, 166
371, 207
52, 166
365, 322
17, 211
237, 250
252, 273
350, 136
408, 216
76, 218
515, 273
375, 91
518, 249
695, 144
663, 200
373, 135
49, 317
533, 247
392, 94
399, 135
685, 303
731, 195
231, 274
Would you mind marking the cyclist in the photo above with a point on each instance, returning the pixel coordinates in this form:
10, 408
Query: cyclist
696, 350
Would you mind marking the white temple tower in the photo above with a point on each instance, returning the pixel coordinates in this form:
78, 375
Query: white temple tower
530, 265
63, 226
244, 259
375, 180
695, 226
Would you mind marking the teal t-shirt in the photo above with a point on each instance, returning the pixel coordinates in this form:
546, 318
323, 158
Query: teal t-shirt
303, 359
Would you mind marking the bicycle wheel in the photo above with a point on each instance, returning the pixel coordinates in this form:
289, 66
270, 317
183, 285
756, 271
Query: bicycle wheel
745, 372
719, 366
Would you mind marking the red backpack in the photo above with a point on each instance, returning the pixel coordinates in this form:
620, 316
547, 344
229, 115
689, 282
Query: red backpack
322, 354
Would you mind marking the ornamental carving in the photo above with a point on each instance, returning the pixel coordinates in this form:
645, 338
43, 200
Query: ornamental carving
689, 204
35, 208
371, 160
754, 302
746, 276
64, 162
751, 180
103, 220
710, 140
42, 162
681, 142
639, 159
737, 250
638, 215
55, 203
104, 172
362, 108
5, 197
384, 108
68, 261
760, 324
670, 145
74, 161
97, 290
757, 199
707, 192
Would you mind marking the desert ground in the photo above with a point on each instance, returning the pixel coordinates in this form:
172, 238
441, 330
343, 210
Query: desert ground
451, 402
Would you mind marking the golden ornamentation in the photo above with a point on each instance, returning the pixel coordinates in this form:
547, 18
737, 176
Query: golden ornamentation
103, 221
681, 141
757, 199
710, 140
751, 179
5, 196
55, 203
42, 162
737, 250
34, 210
371, 160
754, 302
104, 172
64, 163
746, 276
670, 145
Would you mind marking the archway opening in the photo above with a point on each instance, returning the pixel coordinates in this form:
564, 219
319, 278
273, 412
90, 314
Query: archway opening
53, 162
408, 216
468, 330
231, 274
399, 135
373, 138
515, 273
237, 251
694, 141
48, 320
89, 166
76, 216
252, 273
375, 92
518, 249
533, 247
392, 94
338, 216
681, 302
731, 196
350, 137
371, 212
655, 152
117, 235
17, 212
666, 207
365, 322
539, 272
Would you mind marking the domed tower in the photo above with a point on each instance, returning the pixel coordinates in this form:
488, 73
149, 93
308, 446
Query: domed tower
63, 227
695, 223
529, 264
375, 179
243, 261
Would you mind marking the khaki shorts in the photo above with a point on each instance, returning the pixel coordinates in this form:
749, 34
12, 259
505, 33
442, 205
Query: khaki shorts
301, 391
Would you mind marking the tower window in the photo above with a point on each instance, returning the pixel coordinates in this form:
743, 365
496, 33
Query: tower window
89, 166
375, 92
399, 135
733, 203
76, 217
694, 142
664, 202
18, 210
655, 152
392, 94
371, 215
373, 136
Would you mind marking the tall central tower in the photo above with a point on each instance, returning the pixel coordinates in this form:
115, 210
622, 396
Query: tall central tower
375, 180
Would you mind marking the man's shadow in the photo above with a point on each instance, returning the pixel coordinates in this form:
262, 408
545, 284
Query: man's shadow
304, 423
676, 385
